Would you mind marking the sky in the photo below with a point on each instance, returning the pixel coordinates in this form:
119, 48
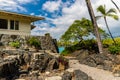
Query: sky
60, 14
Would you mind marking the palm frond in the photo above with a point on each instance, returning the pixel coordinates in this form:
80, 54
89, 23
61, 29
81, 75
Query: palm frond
112, 10
98, 17
113, 16
101, 9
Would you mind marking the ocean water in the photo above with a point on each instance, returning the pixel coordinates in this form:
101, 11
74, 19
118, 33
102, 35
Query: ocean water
61, 49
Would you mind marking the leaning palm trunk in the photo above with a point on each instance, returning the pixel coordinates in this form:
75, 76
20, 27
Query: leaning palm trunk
109, 30
89, 6
116, 5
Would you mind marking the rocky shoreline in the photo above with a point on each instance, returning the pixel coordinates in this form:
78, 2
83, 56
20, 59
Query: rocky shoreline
104, 61
27, 63
42, 65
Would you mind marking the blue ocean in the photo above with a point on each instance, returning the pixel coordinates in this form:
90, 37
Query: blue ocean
61, 49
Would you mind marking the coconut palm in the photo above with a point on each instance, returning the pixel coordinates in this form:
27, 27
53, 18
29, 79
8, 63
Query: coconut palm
115, 5
91, 12
110, 13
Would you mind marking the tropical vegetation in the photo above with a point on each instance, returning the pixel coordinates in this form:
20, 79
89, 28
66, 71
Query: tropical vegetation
80, 30
107, 13
15, 44
85, 33
34, 42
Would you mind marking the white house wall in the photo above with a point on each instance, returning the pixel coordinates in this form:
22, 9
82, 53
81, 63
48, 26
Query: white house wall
24, 26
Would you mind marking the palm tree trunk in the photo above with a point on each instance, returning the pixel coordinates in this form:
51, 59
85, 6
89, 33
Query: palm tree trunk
109, 30
115, 5
91, 12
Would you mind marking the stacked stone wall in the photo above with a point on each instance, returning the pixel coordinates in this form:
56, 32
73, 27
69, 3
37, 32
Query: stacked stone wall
47, 43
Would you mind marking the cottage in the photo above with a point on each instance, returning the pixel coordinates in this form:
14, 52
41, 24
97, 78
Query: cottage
16, 24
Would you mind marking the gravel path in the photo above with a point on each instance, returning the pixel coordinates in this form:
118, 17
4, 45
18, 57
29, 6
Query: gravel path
96, 74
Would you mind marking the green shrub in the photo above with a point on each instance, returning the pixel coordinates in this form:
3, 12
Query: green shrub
89, 44
34, 42
115, 49
85, 44
117, 40
47, 34
107, 42
65, 52
15, 44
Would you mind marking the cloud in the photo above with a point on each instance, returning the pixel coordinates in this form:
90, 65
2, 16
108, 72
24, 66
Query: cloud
71, 12
25, 1
14, 5
51, 6
32, 14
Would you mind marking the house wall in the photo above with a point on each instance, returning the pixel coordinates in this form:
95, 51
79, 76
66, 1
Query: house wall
24, 25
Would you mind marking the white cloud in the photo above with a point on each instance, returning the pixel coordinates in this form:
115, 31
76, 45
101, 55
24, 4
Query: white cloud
69, 14
32, 14
14, 5
25, 1
51, 6
77, 10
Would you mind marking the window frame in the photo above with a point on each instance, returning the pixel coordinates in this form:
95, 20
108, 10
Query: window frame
14, 25
4, 23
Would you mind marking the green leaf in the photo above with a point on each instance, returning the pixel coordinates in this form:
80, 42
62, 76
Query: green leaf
101, 9
98, 17
79, 29
113, 16
112, 10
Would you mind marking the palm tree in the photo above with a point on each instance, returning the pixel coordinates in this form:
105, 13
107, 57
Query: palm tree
110, 13
115, 5
92, 16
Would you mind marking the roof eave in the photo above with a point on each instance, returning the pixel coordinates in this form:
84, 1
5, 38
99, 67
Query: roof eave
32, 18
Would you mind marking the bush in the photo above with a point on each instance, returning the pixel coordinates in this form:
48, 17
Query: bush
86, 44
65, 52
117, 40
89, 45
115, 49
15, 44
34, 42
107, 43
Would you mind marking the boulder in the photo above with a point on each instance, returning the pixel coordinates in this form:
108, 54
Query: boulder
27, 57
81, 54
44, 62
102, 61
79, 75
8, 68
116, 70
67, 76
53, 64
54, 78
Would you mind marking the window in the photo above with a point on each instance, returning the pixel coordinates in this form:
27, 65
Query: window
3, 24
11, 24
14, 25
